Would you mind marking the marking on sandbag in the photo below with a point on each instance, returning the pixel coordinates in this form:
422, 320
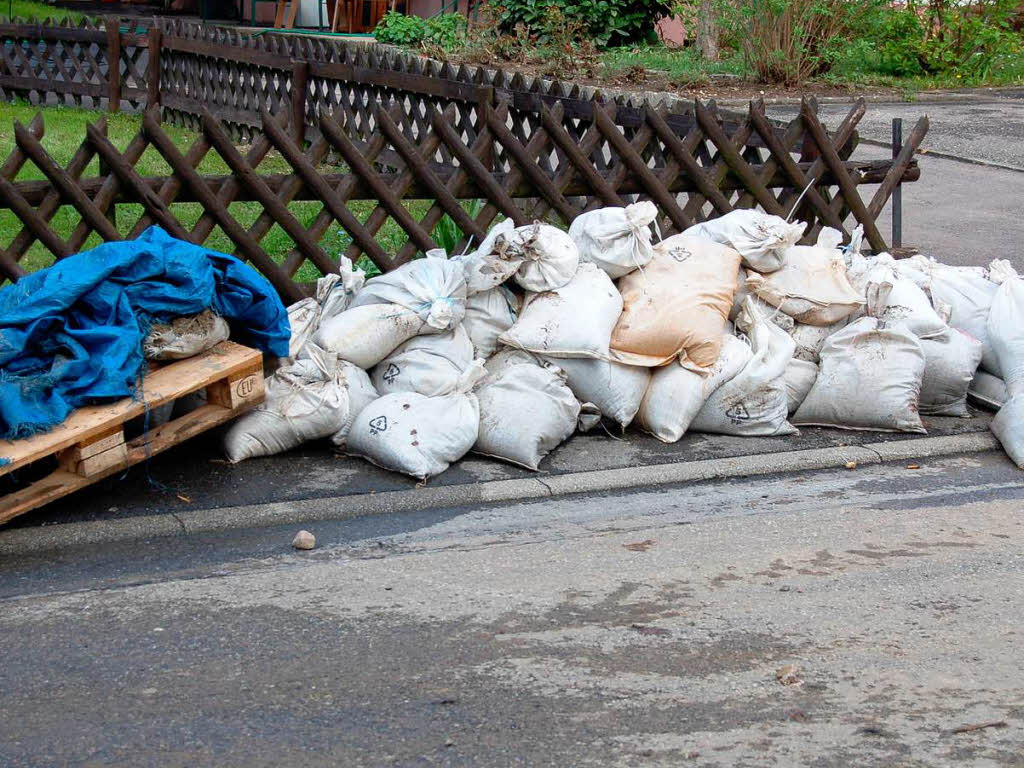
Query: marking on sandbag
378, 425
738, 414
681, 254
391, 373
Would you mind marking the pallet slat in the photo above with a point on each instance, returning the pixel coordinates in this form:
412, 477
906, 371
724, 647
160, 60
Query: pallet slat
163, 385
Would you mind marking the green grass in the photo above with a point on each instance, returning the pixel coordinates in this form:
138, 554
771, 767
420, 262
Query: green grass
682, 66
65, 129
858, 68
27, 9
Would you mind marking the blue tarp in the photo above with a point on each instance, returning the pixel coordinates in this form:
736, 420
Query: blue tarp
72, 334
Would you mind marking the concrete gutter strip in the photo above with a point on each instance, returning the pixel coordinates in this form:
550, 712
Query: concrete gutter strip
23, 541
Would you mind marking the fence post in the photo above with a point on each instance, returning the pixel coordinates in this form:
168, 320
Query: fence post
154, 40
113, 28
897, 193
300, 79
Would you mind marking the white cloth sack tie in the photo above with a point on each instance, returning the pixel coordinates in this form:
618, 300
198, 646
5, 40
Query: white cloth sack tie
549, 256
618, 240
490, 265
760, 238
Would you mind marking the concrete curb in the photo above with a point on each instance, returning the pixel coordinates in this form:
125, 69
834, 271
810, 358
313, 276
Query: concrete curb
23, 541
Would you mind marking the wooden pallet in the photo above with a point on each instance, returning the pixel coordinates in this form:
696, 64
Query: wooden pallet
91, 444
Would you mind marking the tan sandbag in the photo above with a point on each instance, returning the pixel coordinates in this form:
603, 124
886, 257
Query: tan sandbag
677, 305
811, 287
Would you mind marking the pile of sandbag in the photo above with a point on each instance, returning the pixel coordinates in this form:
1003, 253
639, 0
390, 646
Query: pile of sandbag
730, 327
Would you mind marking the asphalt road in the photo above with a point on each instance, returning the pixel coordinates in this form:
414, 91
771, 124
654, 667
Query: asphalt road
648, 628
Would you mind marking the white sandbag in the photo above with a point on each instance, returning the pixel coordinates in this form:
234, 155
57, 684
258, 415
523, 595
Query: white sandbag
488, 315
677, 306
616, 390
893, 298
950, 361
1008, 427
506, 357
417, 435
760, 238
493, 262
754, 401
433, 287
575, 320
550, 257
676, 395
305, 400
618, 240
810, 338
965, 294
1006, 325
334, 293
525, 412
869, 378
800, 376
431, 364
1006, 336
366, 335
811, 286
361, 393
987, 390
185, 336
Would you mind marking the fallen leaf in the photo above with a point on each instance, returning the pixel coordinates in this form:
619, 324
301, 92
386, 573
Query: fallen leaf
640, 546
851, 465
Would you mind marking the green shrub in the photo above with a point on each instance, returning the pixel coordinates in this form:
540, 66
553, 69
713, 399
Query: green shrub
963, 39
789, 41
607, 22
446, 30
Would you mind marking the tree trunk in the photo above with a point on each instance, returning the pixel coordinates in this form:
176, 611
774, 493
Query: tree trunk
707, 31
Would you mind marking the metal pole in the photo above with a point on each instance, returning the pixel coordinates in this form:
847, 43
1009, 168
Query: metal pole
897, 193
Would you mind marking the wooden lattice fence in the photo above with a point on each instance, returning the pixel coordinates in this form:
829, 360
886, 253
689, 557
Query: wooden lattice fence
404, 129
69, 63
687, 182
